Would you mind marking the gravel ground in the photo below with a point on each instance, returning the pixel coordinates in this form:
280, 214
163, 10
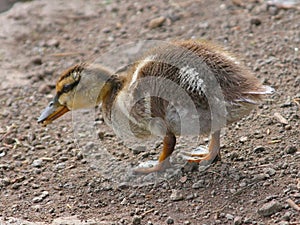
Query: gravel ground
48, 175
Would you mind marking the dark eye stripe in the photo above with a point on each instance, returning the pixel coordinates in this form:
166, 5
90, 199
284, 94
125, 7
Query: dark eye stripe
69, 87
66, 88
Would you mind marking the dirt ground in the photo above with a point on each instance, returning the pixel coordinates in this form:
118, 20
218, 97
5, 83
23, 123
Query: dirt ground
44, 173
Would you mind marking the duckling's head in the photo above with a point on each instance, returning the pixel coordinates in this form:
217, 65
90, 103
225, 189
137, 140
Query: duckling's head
81, 86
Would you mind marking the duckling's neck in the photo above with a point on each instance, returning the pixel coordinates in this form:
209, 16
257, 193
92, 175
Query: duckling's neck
109, 93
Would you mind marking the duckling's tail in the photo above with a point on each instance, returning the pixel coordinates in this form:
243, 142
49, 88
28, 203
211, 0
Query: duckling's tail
264, 90
256, 96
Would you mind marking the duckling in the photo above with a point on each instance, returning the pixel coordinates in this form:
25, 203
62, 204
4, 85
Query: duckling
178, 88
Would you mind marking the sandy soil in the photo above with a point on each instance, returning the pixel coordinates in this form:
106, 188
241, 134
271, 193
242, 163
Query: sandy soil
47, 174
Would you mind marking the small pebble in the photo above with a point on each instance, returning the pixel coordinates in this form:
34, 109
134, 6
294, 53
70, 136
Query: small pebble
248, 220
259, 149
288, 127
270, 171
52, 43
37, 61
40, 198
199, 184
243, 139
260, 177
238, 220
35, 186
284, 223
176, 195
139, 149
37, 163
106, 30
8, 141
270, 208
291, 149
287, 216
243, 184
2, 153
255, 21
37, 199
60, 166
123, 185
273, 10
44, 194
136, 220
229, 216
170, 220
157, 22
4, 182
124, 201
36, 207
45, 89
190, 167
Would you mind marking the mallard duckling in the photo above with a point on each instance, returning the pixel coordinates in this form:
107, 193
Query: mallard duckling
140, 99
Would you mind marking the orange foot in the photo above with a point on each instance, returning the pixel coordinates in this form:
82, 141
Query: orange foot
202, 156
205, 157
160, 167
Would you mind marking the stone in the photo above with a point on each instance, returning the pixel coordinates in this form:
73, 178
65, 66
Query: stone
284, 223
124, 201
16, 186
4, 182
190, 167
37, 199
37, 163
37, 61
8, 141
52, 43
44, 194
139, 149
106, 30
156, 22
170, 220
287, 216
136, 220
229, 216
176, 195
199, 184
45, 89
270, 171
243, 139
255, 21
238, 220
60, 166
291, 149
260, 177
270, 208
259, 149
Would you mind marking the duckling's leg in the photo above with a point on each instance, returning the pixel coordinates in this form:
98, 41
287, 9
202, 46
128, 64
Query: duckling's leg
163, 161
213, 152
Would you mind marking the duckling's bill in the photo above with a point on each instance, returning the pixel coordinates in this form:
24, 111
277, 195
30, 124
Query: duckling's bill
53, 111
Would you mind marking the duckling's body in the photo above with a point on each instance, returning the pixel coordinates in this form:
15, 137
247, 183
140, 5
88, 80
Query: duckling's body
179, 88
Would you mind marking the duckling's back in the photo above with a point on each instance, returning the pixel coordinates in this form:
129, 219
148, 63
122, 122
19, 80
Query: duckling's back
204, 73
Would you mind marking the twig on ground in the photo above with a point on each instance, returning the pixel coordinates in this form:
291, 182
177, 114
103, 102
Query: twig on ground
64, 54
293, 204
147, 212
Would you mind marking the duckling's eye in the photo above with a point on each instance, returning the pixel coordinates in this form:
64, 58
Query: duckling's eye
67, 88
